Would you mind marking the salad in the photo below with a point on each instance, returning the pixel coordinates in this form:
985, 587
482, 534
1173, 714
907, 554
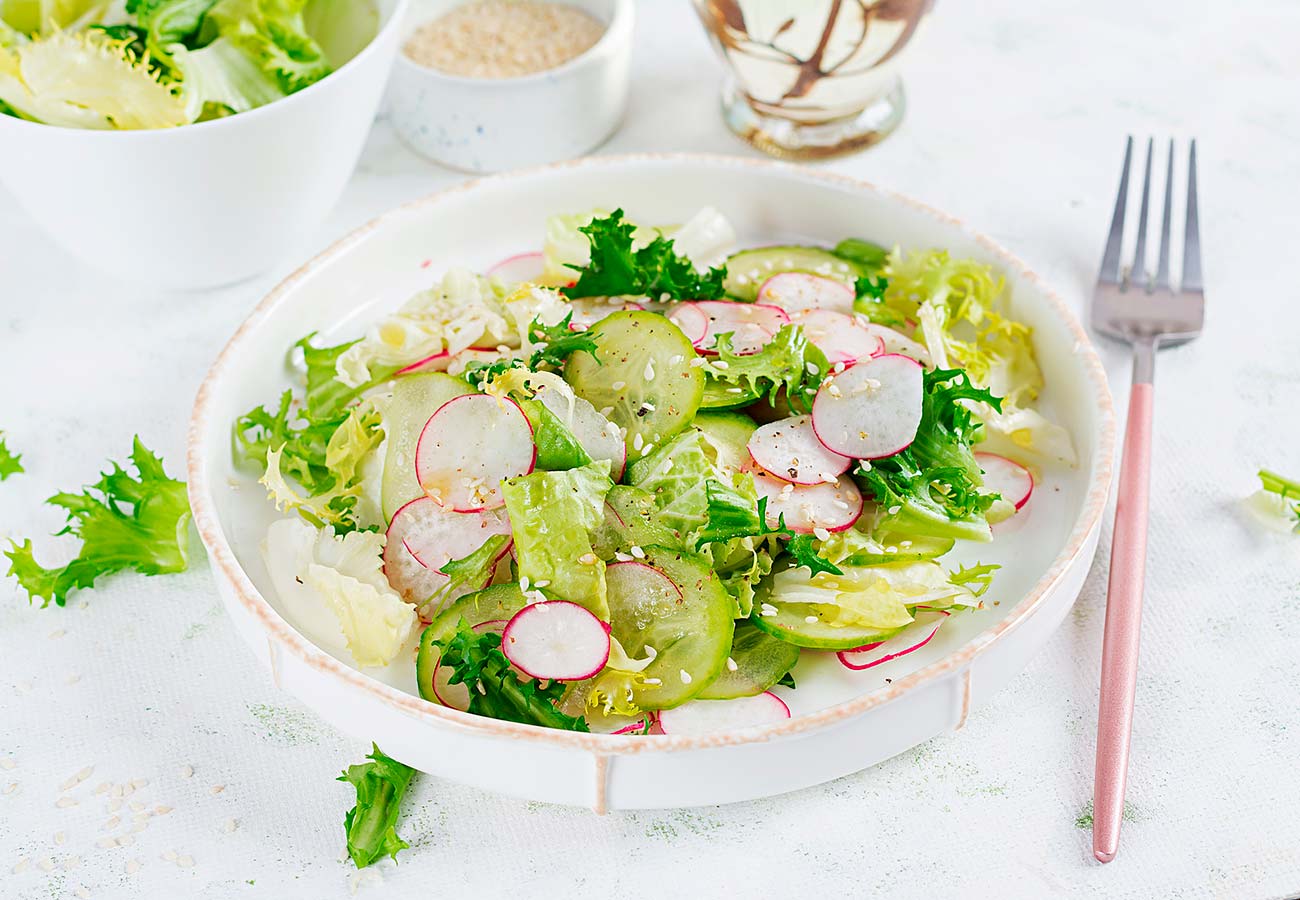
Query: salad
108, 64
623, 483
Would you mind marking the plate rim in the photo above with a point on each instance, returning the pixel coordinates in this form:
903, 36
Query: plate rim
222, 559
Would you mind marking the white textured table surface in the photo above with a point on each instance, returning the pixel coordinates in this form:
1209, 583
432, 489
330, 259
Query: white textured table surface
1017, 115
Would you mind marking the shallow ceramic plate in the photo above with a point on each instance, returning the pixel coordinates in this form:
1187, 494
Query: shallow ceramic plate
842, 721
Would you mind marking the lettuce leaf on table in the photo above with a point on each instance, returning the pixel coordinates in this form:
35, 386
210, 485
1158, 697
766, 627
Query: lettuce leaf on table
10, 463
371, 825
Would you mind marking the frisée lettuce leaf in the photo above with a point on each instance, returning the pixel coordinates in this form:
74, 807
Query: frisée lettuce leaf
371, 825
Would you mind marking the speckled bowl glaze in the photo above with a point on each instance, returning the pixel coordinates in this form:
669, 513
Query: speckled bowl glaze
842, 721
492, 124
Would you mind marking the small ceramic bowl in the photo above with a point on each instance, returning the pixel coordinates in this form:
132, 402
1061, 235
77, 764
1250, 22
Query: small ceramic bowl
491, 124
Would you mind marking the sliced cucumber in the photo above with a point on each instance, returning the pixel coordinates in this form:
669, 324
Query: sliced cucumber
631, 520
805, 625
642, 373
719, 395
557, 448
727, 433
918, 548
690, 634
497, 603
415, 399
748, 269
761, 661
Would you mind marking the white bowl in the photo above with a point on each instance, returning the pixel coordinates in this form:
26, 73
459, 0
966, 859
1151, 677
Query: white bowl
205, 204
491, 124
843, 721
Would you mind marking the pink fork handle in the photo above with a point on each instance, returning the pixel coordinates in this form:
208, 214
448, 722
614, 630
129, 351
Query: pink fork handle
1119, 655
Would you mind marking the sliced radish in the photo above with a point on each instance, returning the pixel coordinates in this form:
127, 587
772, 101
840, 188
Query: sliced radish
913, 637
469, 446
587, 311
643, 586
789, 449
459, 362
794, 291
896, 342
1006, 477
751, 325
841, 337
710, 716
600, 437
423, 537
520, 267
556, 639
692, 321
438, 362
620, 725
871, 409
808, 507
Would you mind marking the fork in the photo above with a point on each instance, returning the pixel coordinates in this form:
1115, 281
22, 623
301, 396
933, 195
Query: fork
1148, 313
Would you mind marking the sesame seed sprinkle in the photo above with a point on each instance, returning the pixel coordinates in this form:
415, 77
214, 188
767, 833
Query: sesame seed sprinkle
169, 855
685, 676
65, 802
8, 763
217, 789
132, 867
185, 861
20, 866
811, 620
731, 665
45, 864
57, 633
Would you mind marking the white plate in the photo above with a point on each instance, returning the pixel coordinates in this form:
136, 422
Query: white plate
842, 721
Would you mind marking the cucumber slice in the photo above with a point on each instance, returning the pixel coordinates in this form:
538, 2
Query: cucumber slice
642, 373
631, 520
415, 399
690, 634
761, 661
748, 269
790, 622
499, 602
719, 395
727, 433
890, 552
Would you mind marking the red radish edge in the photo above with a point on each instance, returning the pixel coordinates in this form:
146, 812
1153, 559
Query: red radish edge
532, 463
692, 321
770, 487
840, 336
531, 263
931, 628
1012, 473
659, 574
779, 708
823, 391
819, 286
516, 646
434, 363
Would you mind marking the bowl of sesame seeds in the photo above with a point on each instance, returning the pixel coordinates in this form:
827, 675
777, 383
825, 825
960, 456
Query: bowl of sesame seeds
487, 85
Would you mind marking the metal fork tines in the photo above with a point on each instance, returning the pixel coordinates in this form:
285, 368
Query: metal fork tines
1129, 303
1147, 312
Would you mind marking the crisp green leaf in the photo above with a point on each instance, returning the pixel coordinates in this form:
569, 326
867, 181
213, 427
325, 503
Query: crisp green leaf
1272, 483
656, 271
788, 365
272, 32
124, 521
787, 680
10, 463
557, 448
978, 578
865, 256
803, 548
371, 825
556, 343
477, 662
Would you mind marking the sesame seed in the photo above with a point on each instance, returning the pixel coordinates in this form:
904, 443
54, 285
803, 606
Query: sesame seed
57, 633
721, 364
697, 362
45, 864
685, 676
11, 787
618, 385
812, 368
139, 827
73, 678
217, 789
60, 837
638, 442
111, 823
114, 806
230, 825
588, 559
647, 448
169, 855
731, 665
891, 549
895, 510
106, 843
185, 861
65, 802
187, 771
161, 810
524, 583
811, 620
7, 763
637, 552
132, 866
102, 787
20, 866
821, 534
623, 557
543, 583
139, 782
654, 681
767, 609
650, 371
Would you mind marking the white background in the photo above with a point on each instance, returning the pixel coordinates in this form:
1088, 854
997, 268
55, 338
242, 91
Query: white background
1017, 116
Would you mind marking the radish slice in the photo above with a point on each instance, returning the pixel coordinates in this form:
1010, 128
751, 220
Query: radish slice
556, 639
898, 343
795, 291
751, 325
1006, 477
600, 437
692, 321
841, 337
789, 449
871, 409
587, 311
913, 637
710, 716
469, 446
620, 725
438, 362
520, 267
808, 507
423, 537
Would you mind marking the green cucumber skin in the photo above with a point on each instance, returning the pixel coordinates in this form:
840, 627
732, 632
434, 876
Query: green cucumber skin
415, 399
761, 661
500, 601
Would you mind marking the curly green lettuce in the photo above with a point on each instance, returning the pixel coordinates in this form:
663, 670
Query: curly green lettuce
617, 267
10, 463
788, 367
124, 521
371, 825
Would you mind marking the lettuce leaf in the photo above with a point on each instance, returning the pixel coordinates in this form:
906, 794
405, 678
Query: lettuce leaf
552, 515
880, 597
787, 366
273, 34
124, 521
616, 267
1278, 500
10, 463
371, 825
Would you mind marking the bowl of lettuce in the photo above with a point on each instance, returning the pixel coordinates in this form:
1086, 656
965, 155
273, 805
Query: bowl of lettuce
187, 143
292, 483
